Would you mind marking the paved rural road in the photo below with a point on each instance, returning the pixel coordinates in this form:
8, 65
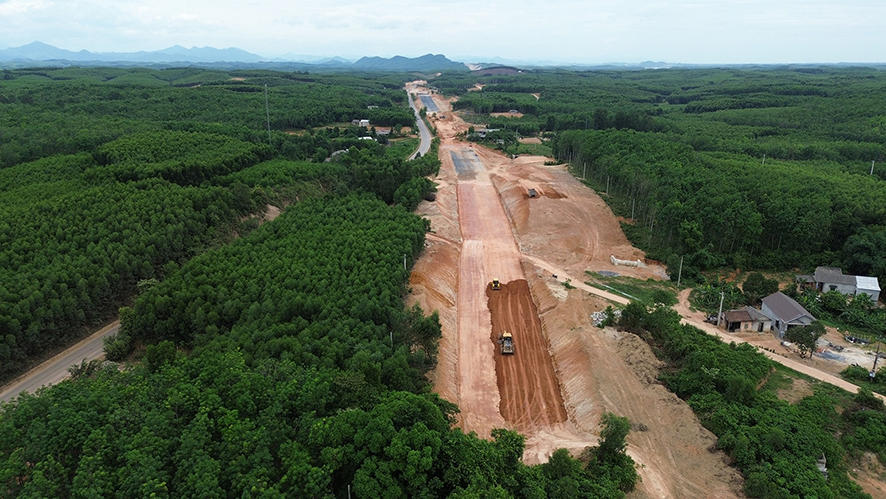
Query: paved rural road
55, 369
425, 144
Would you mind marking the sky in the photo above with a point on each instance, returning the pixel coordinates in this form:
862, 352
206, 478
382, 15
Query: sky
562, 31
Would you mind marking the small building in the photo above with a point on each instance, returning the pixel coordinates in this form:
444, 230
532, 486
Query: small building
532, 193
746, 320
482, 132
869, 286
785, 312
382, 132
360, 122
833, 279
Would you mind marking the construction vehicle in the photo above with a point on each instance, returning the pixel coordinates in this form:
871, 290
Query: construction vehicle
496, 285
506, 340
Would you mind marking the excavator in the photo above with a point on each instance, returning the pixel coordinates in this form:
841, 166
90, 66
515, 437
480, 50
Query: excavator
506, 340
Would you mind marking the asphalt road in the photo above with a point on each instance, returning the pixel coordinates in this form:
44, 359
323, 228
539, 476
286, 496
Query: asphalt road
429, 103
55, 369
425, 134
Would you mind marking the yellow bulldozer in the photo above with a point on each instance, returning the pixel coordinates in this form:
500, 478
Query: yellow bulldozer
496, 285
506, 340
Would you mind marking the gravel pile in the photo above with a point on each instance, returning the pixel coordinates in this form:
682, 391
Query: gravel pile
599, 317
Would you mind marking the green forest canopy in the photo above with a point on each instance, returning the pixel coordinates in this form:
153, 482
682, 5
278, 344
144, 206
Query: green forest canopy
268, 368
752, 168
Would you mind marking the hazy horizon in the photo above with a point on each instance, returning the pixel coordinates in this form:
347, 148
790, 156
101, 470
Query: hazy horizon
562, 31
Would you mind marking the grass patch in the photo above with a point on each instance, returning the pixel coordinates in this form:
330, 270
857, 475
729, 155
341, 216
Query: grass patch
401, 148
780, 378
649, 291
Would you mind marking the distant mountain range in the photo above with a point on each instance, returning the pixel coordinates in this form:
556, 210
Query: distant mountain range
38, 52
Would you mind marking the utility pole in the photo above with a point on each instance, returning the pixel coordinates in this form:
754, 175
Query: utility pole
764, 160
633, 200
872, 167
720, 313
873, 372
268, 112
680, 274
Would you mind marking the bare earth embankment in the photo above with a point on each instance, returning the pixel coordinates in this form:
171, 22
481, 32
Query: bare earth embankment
565, 373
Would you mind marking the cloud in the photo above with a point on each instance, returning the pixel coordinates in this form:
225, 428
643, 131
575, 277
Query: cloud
592, 30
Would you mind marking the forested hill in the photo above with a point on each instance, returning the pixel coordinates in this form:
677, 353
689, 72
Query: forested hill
42, 54
272, 360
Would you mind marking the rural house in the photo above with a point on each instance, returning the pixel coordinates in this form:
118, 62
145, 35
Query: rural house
785, 312
745, 320
832, 279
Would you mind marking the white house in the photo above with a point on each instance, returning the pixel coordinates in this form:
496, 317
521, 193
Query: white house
833, 279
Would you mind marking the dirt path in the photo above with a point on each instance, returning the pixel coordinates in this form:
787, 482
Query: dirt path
485, 226
695, 319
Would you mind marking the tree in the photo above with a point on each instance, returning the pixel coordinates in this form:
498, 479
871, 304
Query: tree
756, 287
805, 336
608, 461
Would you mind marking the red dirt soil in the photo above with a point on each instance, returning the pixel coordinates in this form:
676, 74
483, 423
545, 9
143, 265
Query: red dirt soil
529, 389
485, 226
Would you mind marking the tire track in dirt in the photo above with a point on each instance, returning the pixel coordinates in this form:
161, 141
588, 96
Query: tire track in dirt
523, 389
529, 388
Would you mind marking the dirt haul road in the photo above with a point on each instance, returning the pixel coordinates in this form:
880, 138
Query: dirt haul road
485, 226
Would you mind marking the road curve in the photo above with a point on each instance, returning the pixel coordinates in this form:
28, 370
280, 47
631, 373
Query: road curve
425, 144
55, 369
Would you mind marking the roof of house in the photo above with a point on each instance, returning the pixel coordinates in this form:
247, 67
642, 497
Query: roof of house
737, 316
747, 314
833, 275
786, 308
864, 283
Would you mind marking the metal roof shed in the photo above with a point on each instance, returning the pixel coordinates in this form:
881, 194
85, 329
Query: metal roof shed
868, 285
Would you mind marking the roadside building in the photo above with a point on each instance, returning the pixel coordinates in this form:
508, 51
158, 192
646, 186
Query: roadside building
833, 279
785, 312
746, 320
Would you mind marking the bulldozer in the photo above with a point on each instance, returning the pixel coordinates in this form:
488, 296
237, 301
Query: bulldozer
506, 340
496, 285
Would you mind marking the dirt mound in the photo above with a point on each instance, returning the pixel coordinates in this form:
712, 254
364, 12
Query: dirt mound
434, 281
530, 392
638, 356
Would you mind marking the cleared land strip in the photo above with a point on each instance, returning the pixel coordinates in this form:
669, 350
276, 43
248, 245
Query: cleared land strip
531, 398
